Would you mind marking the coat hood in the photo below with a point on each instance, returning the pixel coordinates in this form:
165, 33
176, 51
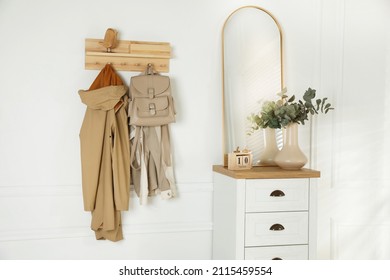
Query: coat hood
104, 98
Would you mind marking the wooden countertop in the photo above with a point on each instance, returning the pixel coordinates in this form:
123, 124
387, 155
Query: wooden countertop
267, 172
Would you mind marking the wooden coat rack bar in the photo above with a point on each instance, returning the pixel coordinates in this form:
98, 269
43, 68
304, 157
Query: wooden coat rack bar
128, 55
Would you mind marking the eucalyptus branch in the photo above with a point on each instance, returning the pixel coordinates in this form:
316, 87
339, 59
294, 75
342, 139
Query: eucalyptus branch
278, 114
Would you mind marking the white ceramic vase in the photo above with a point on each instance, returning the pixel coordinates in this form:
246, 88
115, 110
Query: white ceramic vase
291, 156
267, 157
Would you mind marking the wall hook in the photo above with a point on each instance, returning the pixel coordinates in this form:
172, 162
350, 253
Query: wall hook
128, 55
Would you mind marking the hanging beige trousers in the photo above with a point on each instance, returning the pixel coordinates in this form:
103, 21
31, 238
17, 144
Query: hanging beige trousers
152, 171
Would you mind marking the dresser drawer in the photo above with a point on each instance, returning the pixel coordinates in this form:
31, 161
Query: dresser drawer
270, 195
283, 228
298, 252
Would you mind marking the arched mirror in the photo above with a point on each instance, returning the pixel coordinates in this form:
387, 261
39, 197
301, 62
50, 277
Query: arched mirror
252, 72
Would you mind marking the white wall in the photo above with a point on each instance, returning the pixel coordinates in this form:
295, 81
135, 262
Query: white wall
42, 69
351, 148
42, 57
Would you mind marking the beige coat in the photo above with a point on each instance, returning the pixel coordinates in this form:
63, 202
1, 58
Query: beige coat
105, 154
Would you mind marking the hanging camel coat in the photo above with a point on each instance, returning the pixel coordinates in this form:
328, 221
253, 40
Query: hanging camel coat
105, 160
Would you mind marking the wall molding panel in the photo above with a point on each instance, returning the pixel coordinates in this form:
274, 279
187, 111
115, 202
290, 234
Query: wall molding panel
61, 217
77, 232
357, 240
40, 191
71, 190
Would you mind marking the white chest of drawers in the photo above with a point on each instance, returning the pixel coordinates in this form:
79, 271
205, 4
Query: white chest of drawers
264, 213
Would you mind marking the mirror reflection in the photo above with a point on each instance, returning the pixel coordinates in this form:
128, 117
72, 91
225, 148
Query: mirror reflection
252, 73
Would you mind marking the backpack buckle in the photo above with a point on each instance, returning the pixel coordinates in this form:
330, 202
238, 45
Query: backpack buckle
151, 93
152, 109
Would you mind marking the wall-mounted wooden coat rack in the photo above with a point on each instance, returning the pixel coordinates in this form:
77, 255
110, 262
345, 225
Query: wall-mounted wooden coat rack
128, 55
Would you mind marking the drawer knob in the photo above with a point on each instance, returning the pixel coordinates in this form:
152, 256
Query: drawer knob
277, 193
276, 227
277, 258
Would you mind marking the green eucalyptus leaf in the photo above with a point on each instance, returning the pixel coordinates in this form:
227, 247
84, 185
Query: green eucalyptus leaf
292, 98
318, 102
323, 103
309, 94
308, 104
